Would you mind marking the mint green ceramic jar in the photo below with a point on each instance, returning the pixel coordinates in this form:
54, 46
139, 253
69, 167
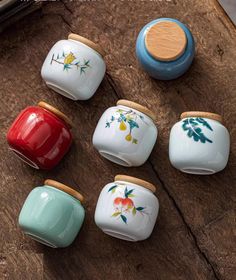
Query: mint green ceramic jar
52, 214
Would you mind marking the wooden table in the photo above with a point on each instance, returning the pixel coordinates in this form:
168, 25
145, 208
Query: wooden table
195, 234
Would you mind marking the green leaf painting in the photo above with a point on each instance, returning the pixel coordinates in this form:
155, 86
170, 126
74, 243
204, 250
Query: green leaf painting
128, 193
134, 211
194, 130
124, 219
127, 121
116, 214
112, 188
140, 208
123, 205
69, 61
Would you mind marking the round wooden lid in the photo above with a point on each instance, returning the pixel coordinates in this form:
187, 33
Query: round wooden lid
137, 107
137, 181
64, 188
56, 112
87, 42
199, 114
166, 41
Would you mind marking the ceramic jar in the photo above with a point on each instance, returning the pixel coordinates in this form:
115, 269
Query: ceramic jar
199, 143
127, 208
74, 67
126, 133
40, 136
165, 48
52, 214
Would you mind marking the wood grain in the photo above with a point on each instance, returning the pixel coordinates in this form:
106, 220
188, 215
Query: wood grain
166, 41
200, 114
194, 237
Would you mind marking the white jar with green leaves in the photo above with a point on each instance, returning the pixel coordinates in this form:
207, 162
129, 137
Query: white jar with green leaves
199, 143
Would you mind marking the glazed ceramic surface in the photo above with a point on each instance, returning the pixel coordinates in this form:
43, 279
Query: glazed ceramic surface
164, 70
199, 146
39, 138
51, 216
126, 211
73, 69
125, 136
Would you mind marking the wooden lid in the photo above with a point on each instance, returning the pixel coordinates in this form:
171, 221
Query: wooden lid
64, 188
87, 42
137, 181
199, 114
56, 112
166, 41
137, 107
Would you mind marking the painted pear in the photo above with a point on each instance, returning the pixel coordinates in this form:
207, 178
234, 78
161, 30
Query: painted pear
128, 137
123, 126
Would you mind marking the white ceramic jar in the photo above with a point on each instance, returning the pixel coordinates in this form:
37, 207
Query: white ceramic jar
126, 133
74, 67
199, 143
127, 208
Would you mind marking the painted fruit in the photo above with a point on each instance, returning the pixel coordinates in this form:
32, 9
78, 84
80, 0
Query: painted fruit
118, 200
122, 126
127, 203
128, 137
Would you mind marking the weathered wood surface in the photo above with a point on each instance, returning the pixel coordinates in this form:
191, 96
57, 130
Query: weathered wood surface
195, 235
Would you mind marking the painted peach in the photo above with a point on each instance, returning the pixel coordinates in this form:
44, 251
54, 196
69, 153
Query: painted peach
127, 203
118, 201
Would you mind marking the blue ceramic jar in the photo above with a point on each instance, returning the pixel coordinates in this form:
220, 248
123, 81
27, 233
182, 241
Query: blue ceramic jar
158, 37
52, 214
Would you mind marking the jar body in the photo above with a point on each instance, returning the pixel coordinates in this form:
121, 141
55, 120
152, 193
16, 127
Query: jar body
125, 136
73, 69
199, 146
39, 137
126, 211
51, 216
164, 70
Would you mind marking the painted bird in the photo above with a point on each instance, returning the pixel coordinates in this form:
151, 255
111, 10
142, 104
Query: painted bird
69, 58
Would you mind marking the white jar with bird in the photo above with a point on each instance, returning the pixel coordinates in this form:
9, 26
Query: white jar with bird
74, 67
126, 133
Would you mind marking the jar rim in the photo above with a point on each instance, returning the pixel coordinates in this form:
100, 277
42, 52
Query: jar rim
137, 107
166, 40
201, 114
56, 112
64, 188
137, 181
87, 42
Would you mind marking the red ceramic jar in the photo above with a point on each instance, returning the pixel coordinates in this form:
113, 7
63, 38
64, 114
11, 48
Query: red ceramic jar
40, 136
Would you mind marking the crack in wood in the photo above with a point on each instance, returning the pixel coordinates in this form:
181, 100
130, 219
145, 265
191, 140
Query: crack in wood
64, 20
113, 85
66, 6
190, 231
60, 15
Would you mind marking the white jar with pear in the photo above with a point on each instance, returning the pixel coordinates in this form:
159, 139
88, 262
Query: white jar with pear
126, 133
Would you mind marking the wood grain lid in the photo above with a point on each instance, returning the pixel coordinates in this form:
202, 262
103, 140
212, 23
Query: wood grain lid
199, 114
64, 188
137, 107
137, 181
87, 42
166, 41
56, 112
